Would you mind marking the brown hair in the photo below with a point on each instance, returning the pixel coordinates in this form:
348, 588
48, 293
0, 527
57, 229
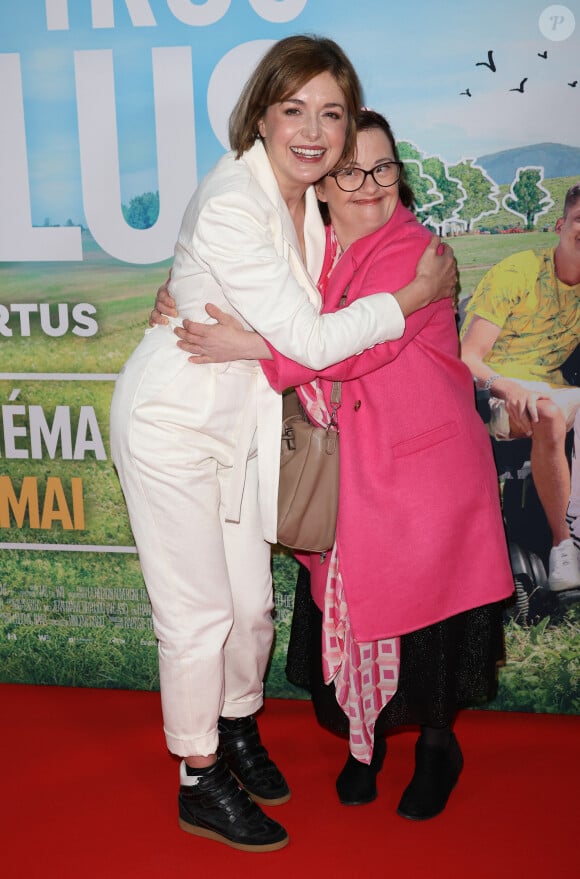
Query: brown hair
368, 119
287, 66
572, 196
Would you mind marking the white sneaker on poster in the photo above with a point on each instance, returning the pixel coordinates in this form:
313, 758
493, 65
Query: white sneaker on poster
564, 567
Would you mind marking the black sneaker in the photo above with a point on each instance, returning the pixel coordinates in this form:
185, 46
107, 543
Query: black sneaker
213, 805
248, 760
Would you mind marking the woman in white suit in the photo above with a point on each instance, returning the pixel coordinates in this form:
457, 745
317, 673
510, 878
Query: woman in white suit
198, 453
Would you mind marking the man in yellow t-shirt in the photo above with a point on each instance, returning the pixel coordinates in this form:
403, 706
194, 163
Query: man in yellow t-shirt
521, 324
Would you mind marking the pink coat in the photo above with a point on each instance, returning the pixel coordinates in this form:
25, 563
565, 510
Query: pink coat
420, 533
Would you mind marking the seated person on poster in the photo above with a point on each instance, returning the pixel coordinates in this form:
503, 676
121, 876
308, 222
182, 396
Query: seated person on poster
522, 323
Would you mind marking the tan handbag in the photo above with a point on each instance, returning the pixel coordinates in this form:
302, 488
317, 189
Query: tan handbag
308, 490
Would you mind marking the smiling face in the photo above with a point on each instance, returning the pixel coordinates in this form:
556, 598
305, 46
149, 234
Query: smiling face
304, 134
356, 214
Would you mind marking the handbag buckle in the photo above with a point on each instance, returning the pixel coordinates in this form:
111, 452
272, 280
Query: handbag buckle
288, 438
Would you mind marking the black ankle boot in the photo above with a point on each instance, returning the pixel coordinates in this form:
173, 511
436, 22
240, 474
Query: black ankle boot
357, 783
248, 760
436, 772
213, 805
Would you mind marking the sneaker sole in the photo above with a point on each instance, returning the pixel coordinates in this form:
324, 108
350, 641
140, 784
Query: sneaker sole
277, 801
240, 846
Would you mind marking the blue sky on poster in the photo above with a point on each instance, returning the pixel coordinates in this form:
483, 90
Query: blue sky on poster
414, 60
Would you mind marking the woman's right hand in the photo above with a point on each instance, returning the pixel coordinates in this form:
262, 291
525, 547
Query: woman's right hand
437, 268
164, 305
436, 278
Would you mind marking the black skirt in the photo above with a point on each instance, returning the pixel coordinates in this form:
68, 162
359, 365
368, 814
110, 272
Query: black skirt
449, 665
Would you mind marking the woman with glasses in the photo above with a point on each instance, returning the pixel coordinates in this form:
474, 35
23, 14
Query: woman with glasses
405, 621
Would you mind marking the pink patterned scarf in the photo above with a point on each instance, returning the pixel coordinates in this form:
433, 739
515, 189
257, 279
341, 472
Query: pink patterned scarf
365, 674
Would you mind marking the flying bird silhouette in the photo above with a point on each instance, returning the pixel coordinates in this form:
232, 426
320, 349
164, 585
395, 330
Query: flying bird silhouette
520, 88
468, 93
573, 84
489, 63
543, 54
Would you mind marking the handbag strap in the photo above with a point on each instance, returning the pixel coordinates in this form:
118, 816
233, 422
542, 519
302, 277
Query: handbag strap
336, 390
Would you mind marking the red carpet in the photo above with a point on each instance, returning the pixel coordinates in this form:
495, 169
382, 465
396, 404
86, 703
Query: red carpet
88, 790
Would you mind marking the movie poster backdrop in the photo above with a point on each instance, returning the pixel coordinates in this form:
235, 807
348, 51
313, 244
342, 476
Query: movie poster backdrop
111, 112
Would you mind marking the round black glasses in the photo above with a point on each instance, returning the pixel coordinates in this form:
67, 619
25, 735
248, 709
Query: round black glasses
351, 179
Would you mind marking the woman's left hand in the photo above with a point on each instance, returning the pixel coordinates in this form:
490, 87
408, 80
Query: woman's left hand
220, 342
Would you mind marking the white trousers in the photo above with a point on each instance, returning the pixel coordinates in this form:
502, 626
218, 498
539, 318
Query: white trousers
183, 439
